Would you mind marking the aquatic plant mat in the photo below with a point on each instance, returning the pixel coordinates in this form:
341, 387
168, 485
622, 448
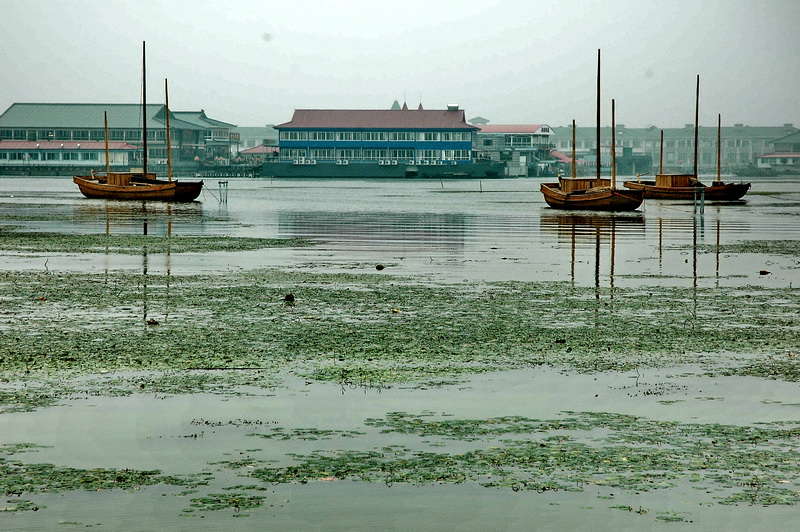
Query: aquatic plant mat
81, 343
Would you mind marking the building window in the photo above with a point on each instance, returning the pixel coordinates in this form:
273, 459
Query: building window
293, 153
373, 136
401, 136
294, 135
322, 154
428, 136
322, 135
3, 155
348, 154
487, 142
371, 155
401, 154
69, 156
90, 156
5, 134
97, 134
117, 135
133, 135
429, 155
348, 135
80, 135
51, 156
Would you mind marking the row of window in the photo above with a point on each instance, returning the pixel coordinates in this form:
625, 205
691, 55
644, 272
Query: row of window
83, 134
668, 144
377, 136
50, 156
374, 155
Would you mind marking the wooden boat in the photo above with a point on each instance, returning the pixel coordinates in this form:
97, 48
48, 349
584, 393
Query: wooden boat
139, 185
594, 194
569, 194
688, 186
120, 186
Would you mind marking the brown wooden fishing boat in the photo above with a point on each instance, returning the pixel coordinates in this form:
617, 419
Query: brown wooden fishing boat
587, 194
121, 186
688, 186
139, 185
592, 193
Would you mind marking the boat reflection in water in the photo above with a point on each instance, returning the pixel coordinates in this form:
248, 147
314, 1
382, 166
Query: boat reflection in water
596, 230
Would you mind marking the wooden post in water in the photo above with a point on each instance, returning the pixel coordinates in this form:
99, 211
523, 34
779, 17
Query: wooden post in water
661, 154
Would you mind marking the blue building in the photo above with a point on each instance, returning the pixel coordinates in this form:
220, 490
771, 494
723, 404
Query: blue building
378, 143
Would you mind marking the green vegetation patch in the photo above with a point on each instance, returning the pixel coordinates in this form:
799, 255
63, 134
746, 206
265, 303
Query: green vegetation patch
17, 478
42, 242
731, 463
767, 247
365, 330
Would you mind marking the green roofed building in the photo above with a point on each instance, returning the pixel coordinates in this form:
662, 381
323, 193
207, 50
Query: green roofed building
195, 139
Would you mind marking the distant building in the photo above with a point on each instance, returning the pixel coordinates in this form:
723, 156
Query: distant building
786, 155
741, 145
251, 137
29, 155
400, 141
195, 138
524, 148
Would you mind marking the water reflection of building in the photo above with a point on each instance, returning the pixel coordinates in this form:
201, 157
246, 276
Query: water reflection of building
419, 230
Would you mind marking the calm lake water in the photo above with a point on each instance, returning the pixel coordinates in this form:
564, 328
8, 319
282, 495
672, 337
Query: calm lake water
493, 230
442, 231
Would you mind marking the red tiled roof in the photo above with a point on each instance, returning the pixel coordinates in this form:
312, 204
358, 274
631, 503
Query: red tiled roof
260, 149
66, 145
563, 158
502, 128
377, 119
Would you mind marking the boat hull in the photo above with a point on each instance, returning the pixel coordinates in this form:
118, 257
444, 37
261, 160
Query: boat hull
596, 199
96, 189
714, 192
185, 191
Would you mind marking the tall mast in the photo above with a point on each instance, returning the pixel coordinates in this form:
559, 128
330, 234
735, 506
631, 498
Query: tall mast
105, 125
696, 123
661, 154
144, 115
169, 147
574, 164
719, 148
598, 116
613, 148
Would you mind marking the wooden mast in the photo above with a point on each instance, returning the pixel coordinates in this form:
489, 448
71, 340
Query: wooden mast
144, 115
598, 118
719, 148
105, 125
696, 123
169, 147
574, 163
613, 148
661, 154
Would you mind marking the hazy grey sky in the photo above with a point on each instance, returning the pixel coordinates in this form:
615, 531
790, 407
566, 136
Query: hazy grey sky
252, 62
